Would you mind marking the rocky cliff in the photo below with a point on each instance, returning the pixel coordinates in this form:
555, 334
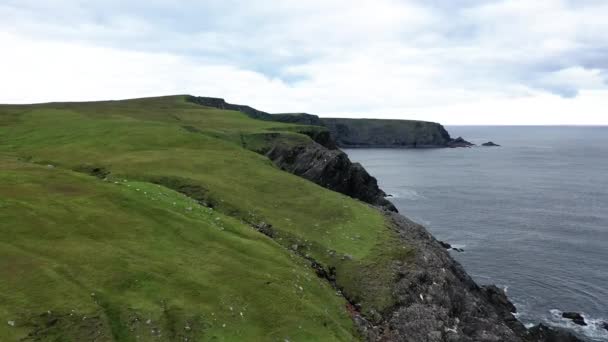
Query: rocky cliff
387, 133
349, 133
331, 169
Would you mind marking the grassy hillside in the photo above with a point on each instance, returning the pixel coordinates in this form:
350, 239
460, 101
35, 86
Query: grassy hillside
101, 217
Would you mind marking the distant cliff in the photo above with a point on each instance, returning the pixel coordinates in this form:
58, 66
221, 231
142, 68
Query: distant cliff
356, 132
387, 133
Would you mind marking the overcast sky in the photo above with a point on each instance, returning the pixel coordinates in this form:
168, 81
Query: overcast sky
452, 61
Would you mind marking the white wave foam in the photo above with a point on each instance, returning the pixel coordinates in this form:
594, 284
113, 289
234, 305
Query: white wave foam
593, 330
408, 194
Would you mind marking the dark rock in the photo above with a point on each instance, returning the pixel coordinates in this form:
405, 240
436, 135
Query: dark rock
459, 250
576, 317
543, 333
331, 169
438, 301
459, 142
265, 229
445, 245
605, 325
490, 144
498, 297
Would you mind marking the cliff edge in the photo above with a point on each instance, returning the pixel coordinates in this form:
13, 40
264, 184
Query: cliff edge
356, 133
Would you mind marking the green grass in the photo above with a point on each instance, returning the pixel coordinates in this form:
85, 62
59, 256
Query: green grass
67, 234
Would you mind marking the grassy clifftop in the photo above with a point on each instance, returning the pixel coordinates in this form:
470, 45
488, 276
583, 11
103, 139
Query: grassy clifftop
136, 218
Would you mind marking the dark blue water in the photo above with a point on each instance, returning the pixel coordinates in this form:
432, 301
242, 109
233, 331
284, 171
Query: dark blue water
532, 215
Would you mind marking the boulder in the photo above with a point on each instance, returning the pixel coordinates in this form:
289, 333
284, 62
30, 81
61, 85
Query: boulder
576, 317
490, 144
459, 142
445, 245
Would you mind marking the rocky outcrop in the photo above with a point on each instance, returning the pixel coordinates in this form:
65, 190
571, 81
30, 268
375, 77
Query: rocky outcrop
438, 301
490, 144
331, 169
459, 142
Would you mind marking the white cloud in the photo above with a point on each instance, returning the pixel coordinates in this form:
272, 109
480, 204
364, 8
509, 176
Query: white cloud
500, 62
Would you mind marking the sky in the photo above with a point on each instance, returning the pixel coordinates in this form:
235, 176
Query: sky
451, 61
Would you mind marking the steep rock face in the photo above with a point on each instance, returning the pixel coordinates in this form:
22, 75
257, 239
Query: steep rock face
331, 169
387, 133
438, 301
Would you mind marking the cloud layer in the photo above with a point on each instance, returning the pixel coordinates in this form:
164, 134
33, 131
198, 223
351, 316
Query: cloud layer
457, 62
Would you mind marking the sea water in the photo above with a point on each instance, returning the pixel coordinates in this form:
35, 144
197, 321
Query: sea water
531, 215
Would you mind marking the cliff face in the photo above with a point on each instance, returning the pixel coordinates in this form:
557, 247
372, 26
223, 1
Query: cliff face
387, 133
349, 133
331, 169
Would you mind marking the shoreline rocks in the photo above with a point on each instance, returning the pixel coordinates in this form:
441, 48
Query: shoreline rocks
445, 245
490, 144
459, 142
543, 333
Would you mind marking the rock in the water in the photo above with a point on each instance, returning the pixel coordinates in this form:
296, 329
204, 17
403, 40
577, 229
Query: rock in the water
576, 317
445, 245
605, 326
459, 142
459, 250
490, 144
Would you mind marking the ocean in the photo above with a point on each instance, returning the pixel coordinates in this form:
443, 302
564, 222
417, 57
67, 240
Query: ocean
531, 215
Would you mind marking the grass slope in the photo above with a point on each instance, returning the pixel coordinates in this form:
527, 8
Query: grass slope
146, 256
